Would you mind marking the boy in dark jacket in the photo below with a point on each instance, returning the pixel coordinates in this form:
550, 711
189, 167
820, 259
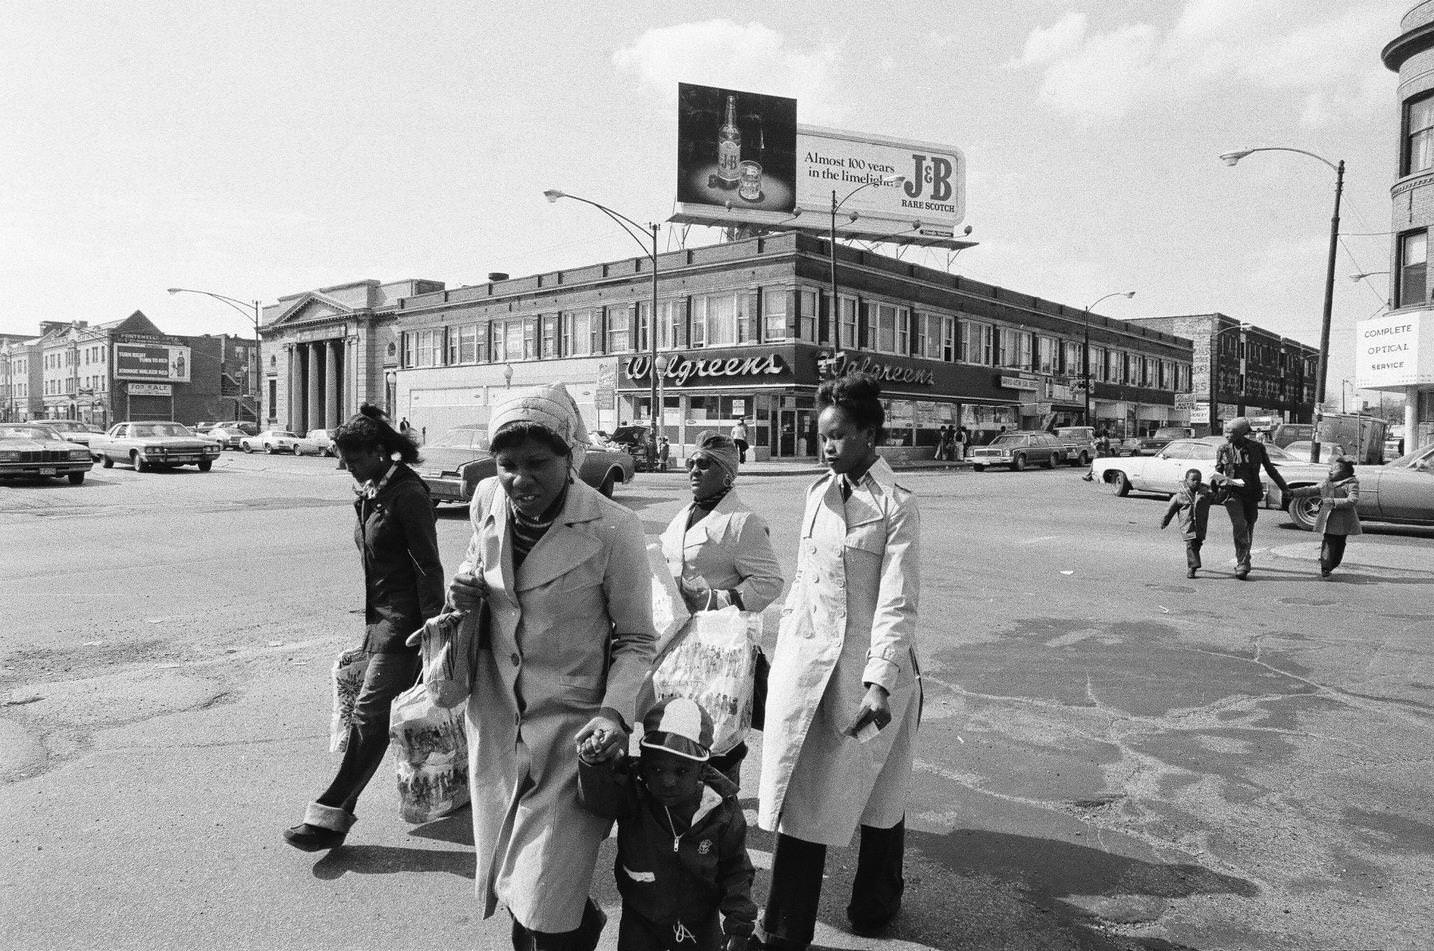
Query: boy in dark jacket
1192, 505
681, 836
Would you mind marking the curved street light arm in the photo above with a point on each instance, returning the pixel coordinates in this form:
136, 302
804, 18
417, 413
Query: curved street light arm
623, 221
1232, 157
249, 309
1126, 294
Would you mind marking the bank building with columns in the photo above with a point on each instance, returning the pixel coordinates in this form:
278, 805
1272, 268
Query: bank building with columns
744, 330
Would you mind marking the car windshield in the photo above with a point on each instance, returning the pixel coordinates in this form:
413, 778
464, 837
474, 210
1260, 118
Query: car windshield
1304, 447
1009, 439
1419, 459
1277, 454
28, 432
1178, 432
465, 437
158, 429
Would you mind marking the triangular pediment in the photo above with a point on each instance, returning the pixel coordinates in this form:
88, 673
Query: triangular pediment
137, 323
310, 307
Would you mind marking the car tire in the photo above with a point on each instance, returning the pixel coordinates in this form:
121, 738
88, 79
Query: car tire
77, 478
206, 464
247, 448
1304, 510
139, 464
107, 462
608, 482
1083, 459
1052, 461
1018, 464
978, 468
1117, 482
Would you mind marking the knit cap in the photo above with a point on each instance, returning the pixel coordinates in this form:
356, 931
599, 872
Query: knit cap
678, 726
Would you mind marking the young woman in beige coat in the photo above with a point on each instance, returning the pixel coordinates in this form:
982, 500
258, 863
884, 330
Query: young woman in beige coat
844, 696
564, 572
720, 551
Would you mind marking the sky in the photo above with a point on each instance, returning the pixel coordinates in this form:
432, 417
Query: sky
263, 149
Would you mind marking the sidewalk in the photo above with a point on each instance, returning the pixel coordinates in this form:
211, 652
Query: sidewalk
811, 467
1365, 552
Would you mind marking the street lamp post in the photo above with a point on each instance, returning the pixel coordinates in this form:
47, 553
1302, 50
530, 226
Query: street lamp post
244, 308
1231, 158
831, 252
627, 225
1086, 361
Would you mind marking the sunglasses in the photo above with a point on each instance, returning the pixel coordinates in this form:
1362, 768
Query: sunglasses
700, 463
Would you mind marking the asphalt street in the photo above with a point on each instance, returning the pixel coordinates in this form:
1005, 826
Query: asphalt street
1112, 756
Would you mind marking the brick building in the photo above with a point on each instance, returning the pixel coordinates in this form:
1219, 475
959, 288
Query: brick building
1395, 352
744, 329
1242, 370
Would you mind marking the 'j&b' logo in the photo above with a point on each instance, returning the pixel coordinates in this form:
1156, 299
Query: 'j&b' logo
934, 171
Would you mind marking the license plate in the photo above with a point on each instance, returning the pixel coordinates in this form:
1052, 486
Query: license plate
47, 470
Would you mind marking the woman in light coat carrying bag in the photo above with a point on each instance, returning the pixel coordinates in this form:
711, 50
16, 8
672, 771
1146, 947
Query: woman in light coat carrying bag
565, 575
844, 696
720, 551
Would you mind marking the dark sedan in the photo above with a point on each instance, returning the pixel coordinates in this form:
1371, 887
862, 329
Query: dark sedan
454, 464
36, 451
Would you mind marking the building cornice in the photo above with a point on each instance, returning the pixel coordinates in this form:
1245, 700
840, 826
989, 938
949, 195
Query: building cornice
1399, 50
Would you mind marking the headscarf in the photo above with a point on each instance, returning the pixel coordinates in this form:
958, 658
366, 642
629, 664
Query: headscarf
721, 450
551, 407
1239, 425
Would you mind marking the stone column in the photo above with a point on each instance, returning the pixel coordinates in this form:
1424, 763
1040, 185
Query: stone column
331, 383
295, 414
314, 418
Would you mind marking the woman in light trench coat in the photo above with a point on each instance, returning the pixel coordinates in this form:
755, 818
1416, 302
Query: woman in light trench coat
565, 574
844, 695
720, 552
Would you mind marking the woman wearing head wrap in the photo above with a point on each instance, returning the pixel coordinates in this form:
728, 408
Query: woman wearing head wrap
564, 572
719, 550
403, 587
844, 695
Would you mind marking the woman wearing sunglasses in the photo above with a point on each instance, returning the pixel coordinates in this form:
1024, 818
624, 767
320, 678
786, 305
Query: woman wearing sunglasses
719, 550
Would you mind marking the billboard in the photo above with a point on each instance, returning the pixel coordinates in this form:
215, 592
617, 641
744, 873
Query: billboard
736, 149
742, 159
1394, 350
152, 361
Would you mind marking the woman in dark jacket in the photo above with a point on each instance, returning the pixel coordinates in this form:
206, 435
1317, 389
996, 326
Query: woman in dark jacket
404, 585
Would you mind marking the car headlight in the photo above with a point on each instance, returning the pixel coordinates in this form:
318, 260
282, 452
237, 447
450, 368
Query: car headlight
9, 455
79, 454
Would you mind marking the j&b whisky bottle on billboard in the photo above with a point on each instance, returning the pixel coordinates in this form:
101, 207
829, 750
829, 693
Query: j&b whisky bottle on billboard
729, 147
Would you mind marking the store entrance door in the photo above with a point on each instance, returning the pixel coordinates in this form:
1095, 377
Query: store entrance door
786, 442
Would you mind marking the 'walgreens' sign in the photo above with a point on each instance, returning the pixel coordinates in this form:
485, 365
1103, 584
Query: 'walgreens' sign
681, 369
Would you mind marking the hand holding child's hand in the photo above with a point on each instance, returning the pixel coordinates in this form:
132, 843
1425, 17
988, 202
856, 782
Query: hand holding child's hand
735, 942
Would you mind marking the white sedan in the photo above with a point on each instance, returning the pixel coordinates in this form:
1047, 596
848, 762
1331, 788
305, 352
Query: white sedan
1163, 472
271, 441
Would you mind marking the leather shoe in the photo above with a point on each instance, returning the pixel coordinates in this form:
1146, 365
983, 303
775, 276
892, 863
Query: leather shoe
1190, 573
1242, 573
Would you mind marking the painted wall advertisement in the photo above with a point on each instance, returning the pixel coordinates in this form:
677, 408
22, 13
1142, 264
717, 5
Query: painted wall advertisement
152, 361
1394, 350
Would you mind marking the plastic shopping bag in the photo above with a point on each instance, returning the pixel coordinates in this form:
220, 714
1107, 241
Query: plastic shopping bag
349, 669
448, 647
430, 748
669, 610
713, 661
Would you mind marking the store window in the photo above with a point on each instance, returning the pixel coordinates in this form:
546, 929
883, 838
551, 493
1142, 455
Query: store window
1419, 134
808, 312
1413, 266
721, 320
774, 314
882, 333
976, 343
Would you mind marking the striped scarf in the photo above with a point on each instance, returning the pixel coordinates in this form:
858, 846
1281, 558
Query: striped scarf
526, 531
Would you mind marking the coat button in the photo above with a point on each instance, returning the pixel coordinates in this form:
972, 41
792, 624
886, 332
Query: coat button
516, 659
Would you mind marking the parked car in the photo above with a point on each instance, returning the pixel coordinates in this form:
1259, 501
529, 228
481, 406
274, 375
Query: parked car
1302, 450
227, 438
73, 430
153, 445
1079, 442
38, 451
271, 441
1401, 492
317, 442
454, 464
1018, 449
243, 427
636, 441
1158, 440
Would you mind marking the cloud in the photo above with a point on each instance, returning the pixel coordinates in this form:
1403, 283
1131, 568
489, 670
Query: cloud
735, 56
1212, 44
1046, 44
